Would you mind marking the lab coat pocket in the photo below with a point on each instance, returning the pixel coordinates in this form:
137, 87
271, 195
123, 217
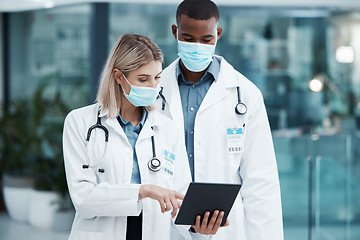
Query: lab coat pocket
84, 235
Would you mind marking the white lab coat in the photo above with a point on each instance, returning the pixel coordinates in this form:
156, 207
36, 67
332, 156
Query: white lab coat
256, 213
104, 200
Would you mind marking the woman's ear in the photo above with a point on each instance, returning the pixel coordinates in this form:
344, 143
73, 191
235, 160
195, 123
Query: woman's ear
117, 74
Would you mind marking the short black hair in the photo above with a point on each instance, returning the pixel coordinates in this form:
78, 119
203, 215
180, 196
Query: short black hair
198, 10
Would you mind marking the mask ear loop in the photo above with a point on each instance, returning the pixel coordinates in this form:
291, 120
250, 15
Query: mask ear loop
122, 86
127, 80
177, 38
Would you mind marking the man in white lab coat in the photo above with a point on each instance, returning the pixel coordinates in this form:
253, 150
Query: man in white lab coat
223, 121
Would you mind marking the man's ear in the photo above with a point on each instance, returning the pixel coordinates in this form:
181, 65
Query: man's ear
174, 30
219, 32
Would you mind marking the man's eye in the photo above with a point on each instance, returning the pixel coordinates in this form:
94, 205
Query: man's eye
188, 39
206, 40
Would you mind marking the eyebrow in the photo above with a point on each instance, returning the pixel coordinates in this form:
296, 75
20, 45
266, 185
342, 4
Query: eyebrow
208, 36
188, 35
147, 75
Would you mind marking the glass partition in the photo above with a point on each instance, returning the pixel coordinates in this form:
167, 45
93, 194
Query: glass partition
50, 46
319, 186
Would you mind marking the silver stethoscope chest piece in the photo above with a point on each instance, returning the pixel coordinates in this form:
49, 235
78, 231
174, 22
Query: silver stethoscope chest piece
240, 107
154, 165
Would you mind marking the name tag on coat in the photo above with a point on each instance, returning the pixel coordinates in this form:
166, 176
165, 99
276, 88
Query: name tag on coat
168, 163
234, 137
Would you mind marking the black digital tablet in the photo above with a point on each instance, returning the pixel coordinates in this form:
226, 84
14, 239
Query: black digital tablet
202, 197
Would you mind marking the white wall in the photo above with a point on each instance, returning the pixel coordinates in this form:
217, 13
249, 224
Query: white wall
21, 5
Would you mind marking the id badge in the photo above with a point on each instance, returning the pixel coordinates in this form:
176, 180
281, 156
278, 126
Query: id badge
234, 136
168, 163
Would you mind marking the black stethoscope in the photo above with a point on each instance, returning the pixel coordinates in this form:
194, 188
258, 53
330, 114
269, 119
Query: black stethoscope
240, 107
154, 164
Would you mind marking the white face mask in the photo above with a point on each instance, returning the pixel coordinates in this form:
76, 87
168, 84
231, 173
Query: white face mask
195, 56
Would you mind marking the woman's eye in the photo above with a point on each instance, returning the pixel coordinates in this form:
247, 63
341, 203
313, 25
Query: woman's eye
143, 80
158, 77
188, 39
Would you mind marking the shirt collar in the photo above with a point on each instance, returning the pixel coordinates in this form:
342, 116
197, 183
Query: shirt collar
140, 124
213, 69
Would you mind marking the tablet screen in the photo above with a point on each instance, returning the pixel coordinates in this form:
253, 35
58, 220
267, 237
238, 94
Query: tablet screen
202, 197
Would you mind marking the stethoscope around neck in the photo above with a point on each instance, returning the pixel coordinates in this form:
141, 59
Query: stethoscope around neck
154, 164
240, 107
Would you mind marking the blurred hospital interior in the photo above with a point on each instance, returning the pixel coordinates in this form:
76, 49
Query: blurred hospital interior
304, 56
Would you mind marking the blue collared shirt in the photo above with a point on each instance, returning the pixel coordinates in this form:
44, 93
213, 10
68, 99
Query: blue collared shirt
192, 95
132, 133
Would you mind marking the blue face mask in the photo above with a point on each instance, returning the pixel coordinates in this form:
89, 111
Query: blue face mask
195, 56
142, 96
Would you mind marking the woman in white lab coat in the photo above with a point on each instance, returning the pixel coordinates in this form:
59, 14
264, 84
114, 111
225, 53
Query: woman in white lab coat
117, 187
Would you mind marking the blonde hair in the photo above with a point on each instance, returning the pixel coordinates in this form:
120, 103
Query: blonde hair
130, 52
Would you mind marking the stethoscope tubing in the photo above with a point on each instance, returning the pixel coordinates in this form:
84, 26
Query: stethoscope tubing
87, 155
154, 164
240, 107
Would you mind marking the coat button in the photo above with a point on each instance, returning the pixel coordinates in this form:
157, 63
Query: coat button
191, 109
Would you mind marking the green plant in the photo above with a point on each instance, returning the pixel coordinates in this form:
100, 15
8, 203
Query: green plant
49, 112
31, 137
14, 137
22, 133
48, 167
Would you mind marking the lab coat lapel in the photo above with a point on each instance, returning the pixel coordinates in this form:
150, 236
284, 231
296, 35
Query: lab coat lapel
227, 79
112, 124
217, 90
153, 121
172, 94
